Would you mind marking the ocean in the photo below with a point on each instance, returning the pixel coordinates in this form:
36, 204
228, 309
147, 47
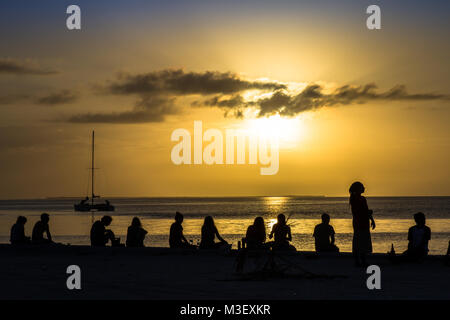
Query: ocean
393, 215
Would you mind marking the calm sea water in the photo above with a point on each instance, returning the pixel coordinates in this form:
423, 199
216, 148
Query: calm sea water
232, 215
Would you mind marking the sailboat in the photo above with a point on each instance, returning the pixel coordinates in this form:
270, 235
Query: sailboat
85, 205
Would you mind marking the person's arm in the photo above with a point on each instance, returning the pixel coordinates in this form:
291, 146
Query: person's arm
332, 235
218, 236
49, 236
372, 221
271, 233
289, 235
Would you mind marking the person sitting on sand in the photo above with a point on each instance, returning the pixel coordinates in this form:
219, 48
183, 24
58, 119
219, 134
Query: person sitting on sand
418, 237
99, 234
136, 234
362, 221
324, 236
39, 229
176, 237
18, 232
282, 233
255, 237
209, 232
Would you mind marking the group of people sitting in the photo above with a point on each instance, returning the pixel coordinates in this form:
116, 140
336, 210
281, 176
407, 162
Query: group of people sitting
40, 229
255, 238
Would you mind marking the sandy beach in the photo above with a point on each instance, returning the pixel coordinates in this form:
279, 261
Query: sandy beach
34, 272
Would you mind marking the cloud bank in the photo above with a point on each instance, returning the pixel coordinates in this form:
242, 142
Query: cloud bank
18, 67
157, 93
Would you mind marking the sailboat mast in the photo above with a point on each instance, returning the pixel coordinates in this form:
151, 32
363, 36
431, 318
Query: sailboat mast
92, 168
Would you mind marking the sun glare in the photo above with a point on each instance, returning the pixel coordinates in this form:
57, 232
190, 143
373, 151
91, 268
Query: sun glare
287, 130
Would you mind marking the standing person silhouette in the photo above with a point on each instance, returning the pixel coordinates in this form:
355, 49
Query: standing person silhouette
362, 221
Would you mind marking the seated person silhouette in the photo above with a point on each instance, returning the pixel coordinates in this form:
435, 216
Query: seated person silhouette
209, 232
100, 235
176, 237
255, 237
282, 233
324, 236
18, 232
136, 234
418, 237
41, 227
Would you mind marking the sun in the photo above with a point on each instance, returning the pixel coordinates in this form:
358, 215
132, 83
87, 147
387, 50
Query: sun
287, 130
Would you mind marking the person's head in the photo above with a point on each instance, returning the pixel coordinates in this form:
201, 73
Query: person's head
325, 218
281, 219
136, 222
45, 218
209, 222
259, 222
356, 188
21, 220
106, 220
260, 226
178, 217
419, 217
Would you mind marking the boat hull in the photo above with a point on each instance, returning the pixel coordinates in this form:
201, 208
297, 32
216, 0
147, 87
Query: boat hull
95, 207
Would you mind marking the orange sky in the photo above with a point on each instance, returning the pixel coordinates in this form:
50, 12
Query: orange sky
396, 146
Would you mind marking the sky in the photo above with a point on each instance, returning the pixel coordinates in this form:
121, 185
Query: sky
346, 103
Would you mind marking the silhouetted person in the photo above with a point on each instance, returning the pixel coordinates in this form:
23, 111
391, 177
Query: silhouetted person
100, 235
256, 234
176, 238
39, 229
18, 232
282, 234
362, 220
136, 234
418, 237
209, 232
324, 236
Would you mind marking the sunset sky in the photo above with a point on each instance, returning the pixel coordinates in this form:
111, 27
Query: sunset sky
347, 103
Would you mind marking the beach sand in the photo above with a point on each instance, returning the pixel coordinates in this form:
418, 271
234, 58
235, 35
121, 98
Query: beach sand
35, 272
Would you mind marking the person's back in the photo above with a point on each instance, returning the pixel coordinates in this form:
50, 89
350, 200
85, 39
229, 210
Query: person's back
207, 237
322, 234
280, 232
135, 234
176, 233
39, 229
98, 234
17, 235
418, 236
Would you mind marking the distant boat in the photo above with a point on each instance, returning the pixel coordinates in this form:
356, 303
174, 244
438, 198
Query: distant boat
87, 204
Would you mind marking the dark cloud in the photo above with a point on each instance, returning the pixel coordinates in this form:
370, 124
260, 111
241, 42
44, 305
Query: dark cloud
12, 66
178, 82
61, 97
148, 109
313, 97
157, 93
56, 98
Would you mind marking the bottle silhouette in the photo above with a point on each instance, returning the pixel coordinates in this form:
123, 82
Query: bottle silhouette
392, 252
